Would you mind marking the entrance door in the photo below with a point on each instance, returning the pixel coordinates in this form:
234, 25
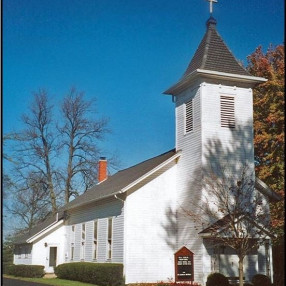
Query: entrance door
52, 258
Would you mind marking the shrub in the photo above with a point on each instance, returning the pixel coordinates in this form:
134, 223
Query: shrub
217, 279
103, 274
21, 270
261, 280
7, 267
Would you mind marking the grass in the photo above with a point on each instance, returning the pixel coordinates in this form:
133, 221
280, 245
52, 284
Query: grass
51, 281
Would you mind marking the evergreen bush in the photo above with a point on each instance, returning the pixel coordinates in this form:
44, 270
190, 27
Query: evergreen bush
217, 279
21, 270
261, 280
102, 274
6, 267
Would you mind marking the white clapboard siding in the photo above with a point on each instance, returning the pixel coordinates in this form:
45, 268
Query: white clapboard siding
150, 234
207, 143
41, 247
100, 211
189, 178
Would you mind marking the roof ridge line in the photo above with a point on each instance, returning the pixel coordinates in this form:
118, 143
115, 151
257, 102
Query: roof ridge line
206, 49
173, 149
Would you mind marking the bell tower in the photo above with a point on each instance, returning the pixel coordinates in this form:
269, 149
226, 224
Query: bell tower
214, 126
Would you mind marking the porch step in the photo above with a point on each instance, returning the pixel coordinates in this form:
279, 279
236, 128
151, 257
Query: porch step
50, 275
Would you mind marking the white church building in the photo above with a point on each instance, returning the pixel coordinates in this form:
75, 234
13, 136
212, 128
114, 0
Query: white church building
135, 217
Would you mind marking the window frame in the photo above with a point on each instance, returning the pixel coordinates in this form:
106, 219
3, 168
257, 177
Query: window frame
109, 252
83, 239
95, 240
72, 251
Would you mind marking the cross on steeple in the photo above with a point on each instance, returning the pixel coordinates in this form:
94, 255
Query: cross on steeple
211, 5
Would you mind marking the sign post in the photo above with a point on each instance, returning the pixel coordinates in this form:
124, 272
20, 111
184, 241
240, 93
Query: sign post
184, 265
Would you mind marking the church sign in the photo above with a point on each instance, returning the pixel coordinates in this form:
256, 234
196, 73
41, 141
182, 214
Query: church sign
184, 265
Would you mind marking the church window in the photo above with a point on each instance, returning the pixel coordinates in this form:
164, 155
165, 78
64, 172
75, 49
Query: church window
83, 232
95, 233
72, 251
189, 125
109, 239
19, 251
227, 116
72, 242
82, 252
26, 252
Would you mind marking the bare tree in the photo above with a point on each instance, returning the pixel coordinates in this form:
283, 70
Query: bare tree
36, 143
30, 200
232, 212
65, 155
80, 135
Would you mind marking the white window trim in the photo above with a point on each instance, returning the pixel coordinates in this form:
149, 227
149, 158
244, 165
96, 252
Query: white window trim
72, 248
82, 245
109, 249
95, 246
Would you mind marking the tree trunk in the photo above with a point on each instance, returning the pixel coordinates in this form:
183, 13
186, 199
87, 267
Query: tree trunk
51, 186
240, 271
69, 171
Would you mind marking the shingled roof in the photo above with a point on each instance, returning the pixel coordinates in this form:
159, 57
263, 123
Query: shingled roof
41, 225
120, 180
113, 185
213, 54
213, 60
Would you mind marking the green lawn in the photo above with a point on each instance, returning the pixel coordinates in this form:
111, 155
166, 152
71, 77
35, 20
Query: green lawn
51, 281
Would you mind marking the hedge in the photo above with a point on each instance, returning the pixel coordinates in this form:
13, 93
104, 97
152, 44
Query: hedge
217, 279
102, 274
21, 270
261, 280
6, 267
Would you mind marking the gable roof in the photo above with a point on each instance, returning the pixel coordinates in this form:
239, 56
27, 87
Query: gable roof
220, 225
122, 180
115, 184
40, 227
213, 54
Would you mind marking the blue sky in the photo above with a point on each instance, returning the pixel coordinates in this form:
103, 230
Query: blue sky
125, 53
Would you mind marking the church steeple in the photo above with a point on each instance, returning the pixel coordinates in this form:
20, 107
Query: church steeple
213, 59
213, 54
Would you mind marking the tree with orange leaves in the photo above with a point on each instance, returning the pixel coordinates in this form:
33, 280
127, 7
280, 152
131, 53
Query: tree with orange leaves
268, 104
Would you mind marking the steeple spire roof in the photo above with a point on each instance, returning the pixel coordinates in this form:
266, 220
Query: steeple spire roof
213, 54
213, 60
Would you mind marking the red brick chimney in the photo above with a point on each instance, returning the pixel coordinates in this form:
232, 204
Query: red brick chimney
102, 169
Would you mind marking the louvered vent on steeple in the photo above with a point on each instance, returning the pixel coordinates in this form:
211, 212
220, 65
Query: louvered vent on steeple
227, 114
189, 116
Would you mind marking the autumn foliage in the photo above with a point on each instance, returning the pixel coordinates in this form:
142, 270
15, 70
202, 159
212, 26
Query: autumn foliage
269, 138
268, 104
